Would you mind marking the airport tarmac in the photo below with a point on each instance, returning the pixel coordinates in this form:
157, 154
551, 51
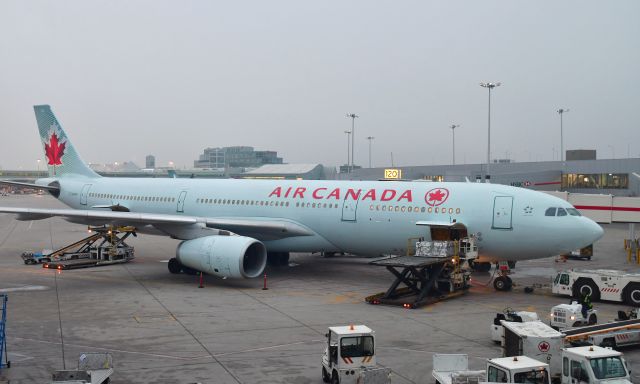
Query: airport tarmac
162, 328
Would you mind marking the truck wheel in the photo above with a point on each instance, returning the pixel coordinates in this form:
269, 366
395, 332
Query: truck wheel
593, 319
631, 294
174, 265
583, 285
335, 378
325, 376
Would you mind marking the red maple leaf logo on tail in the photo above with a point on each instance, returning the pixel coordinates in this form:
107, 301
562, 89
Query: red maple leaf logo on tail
54, 150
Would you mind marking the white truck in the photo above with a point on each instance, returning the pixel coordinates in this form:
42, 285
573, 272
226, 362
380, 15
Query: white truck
349, 357
534, 339
508, 314
601, 284
454, 369
93, 368
593, 365
565, 316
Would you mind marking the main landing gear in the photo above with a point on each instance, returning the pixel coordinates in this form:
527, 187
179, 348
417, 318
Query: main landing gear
176, 267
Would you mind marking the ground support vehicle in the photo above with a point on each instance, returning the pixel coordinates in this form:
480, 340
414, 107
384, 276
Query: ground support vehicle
570, 315
534, 339
593, 365
349, 357
93, 368
106, 246
436, 271
30, 257
453, 369
585, 253
497, 330
596, 364
601, 284
615, 334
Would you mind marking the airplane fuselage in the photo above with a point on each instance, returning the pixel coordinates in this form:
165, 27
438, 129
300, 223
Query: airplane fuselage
361, 217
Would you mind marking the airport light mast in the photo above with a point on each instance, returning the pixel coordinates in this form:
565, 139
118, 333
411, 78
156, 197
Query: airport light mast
562, 111
453, 134
489, 86
370, 138
353, 117
348, 144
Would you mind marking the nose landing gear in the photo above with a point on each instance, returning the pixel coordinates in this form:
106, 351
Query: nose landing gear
503, 282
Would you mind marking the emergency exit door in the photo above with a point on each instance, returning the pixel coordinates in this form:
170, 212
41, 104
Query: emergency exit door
349, 208
502, 212
181, 198
84, 194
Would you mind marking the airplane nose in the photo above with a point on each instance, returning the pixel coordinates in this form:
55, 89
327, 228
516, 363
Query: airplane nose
595, 230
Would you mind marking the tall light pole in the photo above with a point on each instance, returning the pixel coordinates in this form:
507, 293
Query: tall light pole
370, 138
453, 134
561, 112
353, 117
489, 86
348, 144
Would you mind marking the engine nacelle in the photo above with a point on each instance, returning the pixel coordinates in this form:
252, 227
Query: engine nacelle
224, 256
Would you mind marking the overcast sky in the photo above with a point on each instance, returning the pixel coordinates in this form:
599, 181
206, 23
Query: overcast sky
169, 78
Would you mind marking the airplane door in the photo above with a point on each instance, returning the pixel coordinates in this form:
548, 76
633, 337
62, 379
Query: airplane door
502, 207
84, 194
181, 198
349, 208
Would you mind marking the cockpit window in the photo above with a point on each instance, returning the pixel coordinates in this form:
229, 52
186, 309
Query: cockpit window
573, 212
562, 212
550, 212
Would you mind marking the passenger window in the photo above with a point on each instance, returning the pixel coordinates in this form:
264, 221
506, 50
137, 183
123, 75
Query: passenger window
562, 212
550, 212
578, 372
565, 367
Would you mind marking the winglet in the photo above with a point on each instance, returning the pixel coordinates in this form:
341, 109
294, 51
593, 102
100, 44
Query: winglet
61, 157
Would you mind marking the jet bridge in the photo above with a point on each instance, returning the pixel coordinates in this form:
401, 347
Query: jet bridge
432, 271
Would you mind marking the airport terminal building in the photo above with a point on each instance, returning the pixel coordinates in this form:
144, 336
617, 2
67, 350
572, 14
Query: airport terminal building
620, 177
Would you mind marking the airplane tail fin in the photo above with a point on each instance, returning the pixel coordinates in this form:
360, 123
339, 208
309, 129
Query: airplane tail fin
61, 157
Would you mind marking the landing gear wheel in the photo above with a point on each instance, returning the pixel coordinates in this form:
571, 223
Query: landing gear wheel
631, 295
502, 283
325, 376
174, 265
189, 271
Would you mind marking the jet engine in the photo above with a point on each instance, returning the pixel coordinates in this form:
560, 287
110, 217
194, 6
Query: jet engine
224, 256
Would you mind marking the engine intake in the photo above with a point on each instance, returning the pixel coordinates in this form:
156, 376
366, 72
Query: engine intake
224, 256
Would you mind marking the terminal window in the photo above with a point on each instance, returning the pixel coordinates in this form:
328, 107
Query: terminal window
595, 180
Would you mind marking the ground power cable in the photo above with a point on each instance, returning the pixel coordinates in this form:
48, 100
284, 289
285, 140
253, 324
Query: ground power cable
183, 326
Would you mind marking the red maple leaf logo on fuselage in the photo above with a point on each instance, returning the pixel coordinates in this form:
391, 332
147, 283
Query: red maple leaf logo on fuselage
54, 150
436, 196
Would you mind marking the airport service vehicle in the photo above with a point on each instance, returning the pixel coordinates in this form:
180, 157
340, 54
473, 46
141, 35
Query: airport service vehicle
593, 365
454, 369
601, 284
30, 257
232, 228
534, 339
497, 330
619, 333
570, 315
93, 368
349, 357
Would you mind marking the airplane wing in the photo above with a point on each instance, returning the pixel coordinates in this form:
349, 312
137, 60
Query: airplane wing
259, 228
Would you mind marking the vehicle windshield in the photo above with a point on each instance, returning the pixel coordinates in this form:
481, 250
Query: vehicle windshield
356, 346
532, 377
608, 367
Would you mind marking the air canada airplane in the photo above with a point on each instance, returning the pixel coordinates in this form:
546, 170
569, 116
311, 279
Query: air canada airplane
231, 228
